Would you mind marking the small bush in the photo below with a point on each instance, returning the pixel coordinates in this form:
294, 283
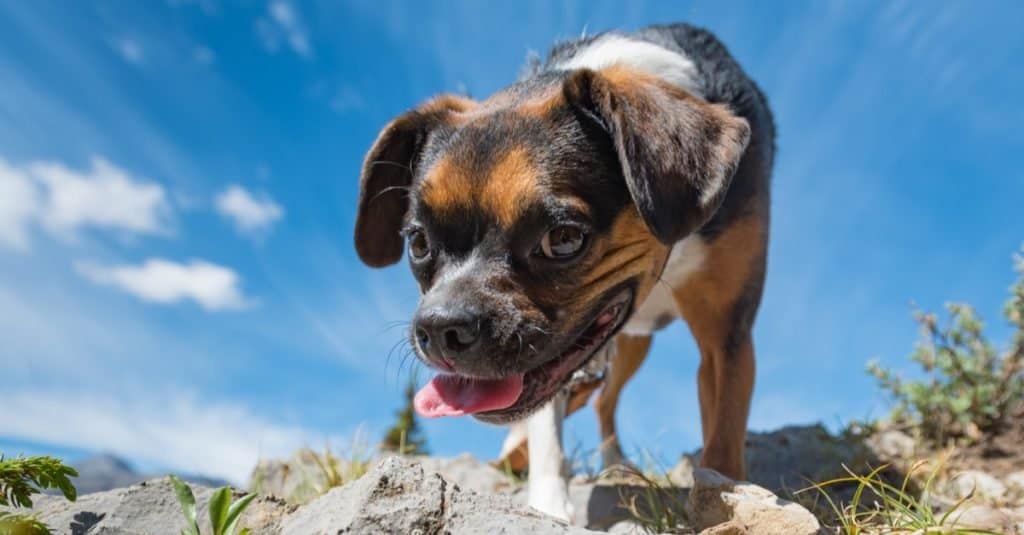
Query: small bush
970, 390
20, 478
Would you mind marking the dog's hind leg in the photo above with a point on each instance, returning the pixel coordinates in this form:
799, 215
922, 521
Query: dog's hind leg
547, 488
630, 352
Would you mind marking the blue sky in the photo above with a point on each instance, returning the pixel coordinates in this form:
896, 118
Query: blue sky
177, 187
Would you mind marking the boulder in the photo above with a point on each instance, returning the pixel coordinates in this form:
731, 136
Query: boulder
716, 500
977, 483
395, 496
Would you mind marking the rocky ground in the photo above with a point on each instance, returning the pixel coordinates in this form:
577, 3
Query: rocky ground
464, 495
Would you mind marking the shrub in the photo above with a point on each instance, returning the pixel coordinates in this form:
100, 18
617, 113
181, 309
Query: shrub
970, 390
20, 478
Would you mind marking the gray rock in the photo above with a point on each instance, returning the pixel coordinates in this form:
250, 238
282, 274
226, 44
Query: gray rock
892, 445
983, 517
1015, 481
787, 458
149, 508
716, 500
468, 473
981, 484
397, 496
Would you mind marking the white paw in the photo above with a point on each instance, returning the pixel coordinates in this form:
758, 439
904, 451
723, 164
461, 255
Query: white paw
550, 495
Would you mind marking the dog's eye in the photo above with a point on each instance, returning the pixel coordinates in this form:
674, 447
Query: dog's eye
418, 246
562, 242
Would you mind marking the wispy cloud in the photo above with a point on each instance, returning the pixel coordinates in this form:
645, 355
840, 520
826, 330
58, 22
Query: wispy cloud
162, 281
284, 24
250, 213
64, 200
346, 99
18, 206
130, 50
204, 55
180, 432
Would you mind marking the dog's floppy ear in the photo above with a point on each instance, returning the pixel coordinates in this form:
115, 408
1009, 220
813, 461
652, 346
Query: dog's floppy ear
678, 153
387, 176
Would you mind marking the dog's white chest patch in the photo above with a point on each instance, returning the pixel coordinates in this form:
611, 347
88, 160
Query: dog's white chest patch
687, 257
608, 50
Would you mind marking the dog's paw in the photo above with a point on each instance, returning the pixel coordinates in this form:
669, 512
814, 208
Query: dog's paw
550, 495
611, 457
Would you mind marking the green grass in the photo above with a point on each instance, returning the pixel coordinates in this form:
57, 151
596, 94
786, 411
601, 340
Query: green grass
878, 506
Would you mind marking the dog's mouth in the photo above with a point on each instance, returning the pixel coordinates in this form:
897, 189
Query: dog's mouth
509, 398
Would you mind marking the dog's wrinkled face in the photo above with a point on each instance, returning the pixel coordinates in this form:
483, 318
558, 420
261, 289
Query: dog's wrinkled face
535, 221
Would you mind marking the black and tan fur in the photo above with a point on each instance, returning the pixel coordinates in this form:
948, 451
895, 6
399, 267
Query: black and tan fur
641, 164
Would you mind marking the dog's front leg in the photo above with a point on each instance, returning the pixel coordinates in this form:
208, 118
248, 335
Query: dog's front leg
547, 488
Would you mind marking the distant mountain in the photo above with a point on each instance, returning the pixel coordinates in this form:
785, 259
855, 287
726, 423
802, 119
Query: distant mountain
107, 471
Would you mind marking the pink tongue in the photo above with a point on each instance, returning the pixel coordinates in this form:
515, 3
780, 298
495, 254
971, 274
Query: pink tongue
451, 395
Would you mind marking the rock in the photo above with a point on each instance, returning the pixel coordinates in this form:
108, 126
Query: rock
301, 478
147, 508
983, 517
727, 528
682, 473
627, 527
396, 496
601, 504
787, 458
983, 485
716, 500
1015, 482
468, 473
892, 445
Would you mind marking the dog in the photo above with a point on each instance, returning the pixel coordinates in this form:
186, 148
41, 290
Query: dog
617, 185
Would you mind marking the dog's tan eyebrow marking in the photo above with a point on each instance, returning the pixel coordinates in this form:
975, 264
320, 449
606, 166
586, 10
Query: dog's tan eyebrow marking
446, 186
511, 185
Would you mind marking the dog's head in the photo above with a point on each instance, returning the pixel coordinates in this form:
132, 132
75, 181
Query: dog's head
536, 220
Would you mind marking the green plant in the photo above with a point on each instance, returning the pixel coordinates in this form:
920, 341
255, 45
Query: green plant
405, 436
335, 471
17, 524
20, 478
970, 390
878, 506
224, 514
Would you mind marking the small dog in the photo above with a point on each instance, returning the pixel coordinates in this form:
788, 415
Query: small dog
617, 185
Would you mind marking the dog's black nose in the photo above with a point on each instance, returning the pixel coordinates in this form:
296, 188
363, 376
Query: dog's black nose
450, 331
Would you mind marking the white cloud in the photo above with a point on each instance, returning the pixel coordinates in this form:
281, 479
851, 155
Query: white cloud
218, 439
284, 24
249, 212
162, 281
18, 206
130, 50
64, 200
104, 197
